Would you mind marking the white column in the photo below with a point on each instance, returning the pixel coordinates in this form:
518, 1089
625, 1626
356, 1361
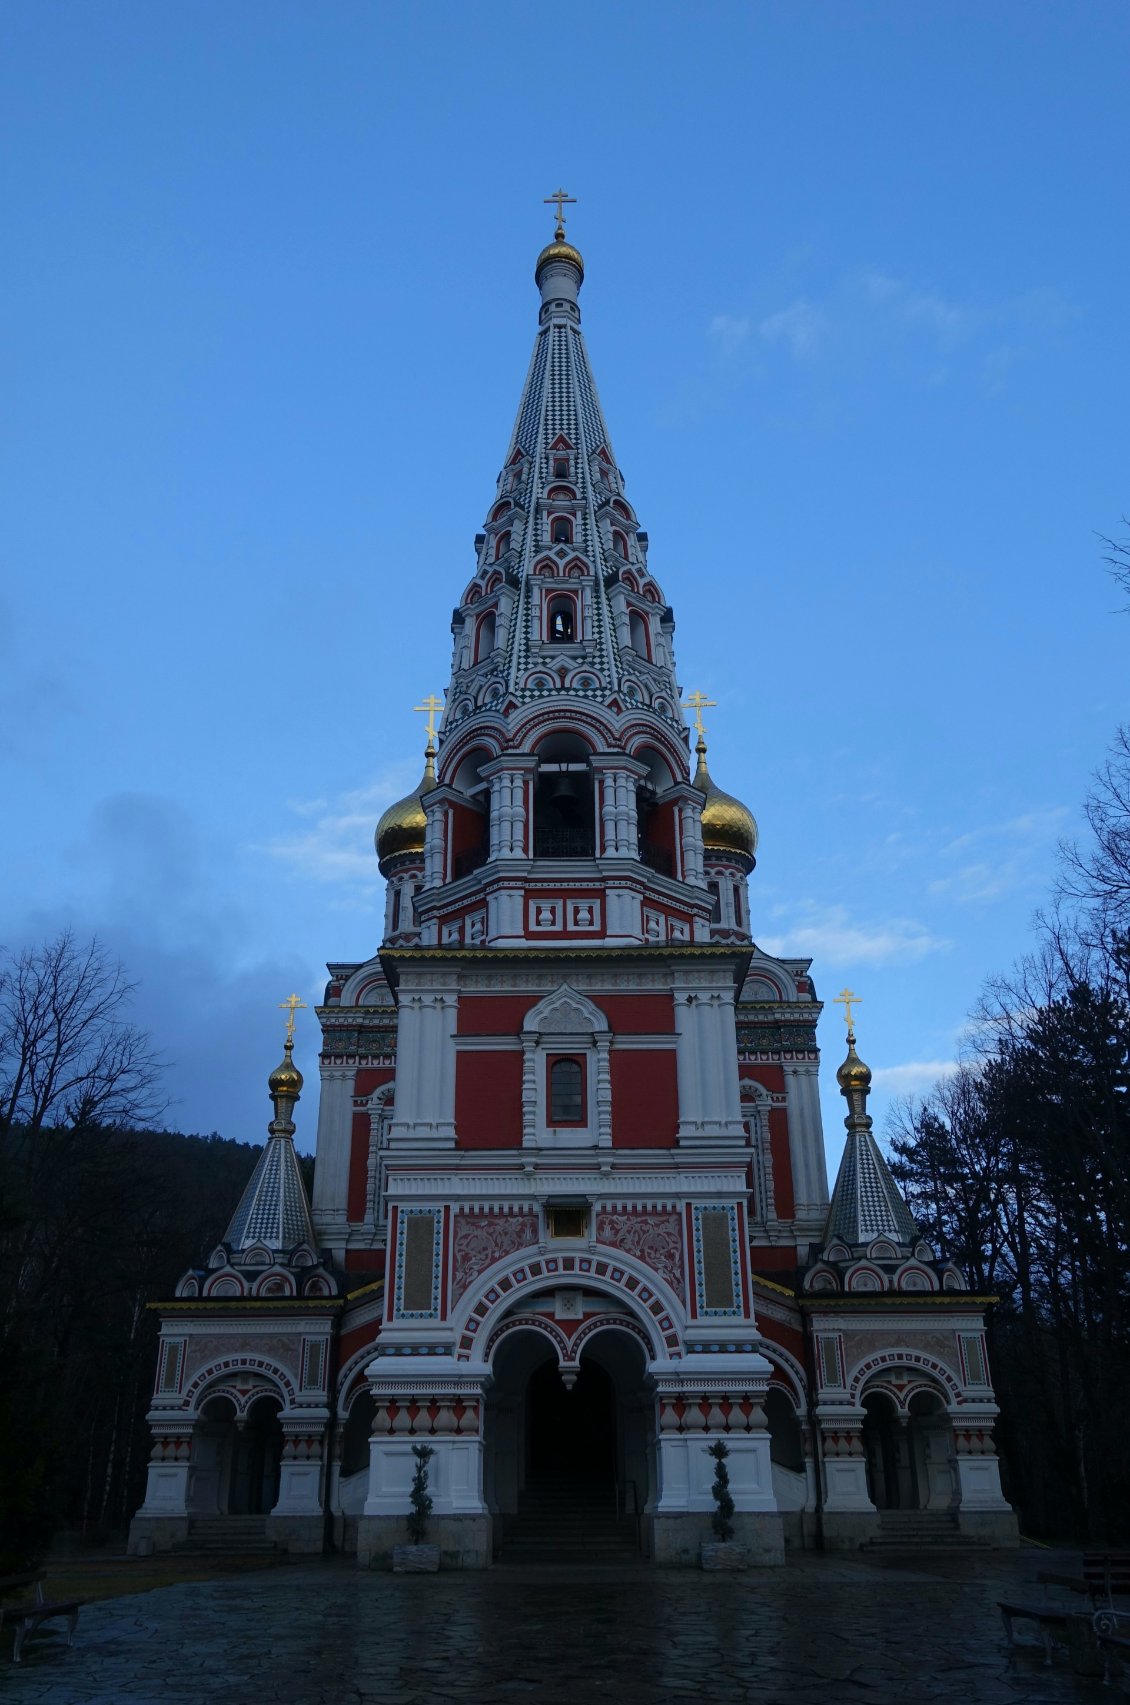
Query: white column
335, 1135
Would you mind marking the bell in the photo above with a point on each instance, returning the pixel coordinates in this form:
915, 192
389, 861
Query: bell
564, 793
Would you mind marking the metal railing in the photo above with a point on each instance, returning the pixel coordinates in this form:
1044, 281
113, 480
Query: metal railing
563, 843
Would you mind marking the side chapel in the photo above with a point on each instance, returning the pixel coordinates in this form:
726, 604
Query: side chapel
571, 1220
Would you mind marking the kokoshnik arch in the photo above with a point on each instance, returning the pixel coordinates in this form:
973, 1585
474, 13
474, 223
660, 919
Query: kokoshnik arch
571, 1221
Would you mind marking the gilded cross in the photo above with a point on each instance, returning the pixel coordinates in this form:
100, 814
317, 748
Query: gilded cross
847, 1000
698, 702
292, 1004
560, 200
429, 709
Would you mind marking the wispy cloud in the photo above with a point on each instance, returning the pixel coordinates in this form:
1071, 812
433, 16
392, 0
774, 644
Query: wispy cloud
836, 939
913, 1077
800, 327
337, 846
730, 331
999, 858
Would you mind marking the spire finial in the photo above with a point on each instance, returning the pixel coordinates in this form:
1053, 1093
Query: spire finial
292, 1004
847, 1000
561, 201
698, 702
430, 707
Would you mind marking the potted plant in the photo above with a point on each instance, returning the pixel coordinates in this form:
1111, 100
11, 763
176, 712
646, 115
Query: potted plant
418, 1557
721, 1552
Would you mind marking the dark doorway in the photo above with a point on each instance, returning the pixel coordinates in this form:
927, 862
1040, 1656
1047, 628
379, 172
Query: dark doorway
571, 1433
891, 1469
255, 1463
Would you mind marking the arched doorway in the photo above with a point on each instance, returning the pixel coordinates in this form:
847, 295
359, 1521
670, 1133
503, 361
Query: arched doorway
236, 1460
567, 1460
909, 1451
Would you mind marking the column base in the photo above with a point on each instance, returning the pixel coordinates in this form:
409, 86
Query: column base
155, 1533
847, 1530
995, 1527
676, 1540
464, 1541
298, 1535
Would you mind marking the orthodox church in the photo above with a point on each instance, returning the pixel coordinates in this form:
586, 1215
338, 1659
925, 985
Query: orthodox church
570, 1222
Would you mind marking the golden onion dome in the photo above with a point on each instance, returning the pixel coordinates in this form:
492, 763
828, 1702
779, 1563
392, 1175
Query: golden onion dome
853, 1074
401, 829
728, 826
559, 249
286, 1079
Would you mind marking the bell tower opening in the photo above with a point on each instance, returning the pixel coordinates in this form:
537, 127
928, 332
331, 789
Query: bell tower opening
564, 813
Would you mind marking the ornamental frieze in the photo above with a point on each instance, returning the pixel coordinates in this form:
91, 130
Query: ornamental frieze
482, 1239
655, 1239
776, 1039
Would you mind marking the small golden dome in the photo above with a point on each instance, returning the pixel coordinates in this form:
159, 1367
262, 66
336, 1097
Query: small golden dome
286, 1079
559, 250
727, 824
853, 1074
401, 829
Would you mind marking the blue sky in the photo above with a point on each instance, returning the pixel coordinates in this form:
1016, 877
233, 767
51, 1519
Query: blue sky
856, 302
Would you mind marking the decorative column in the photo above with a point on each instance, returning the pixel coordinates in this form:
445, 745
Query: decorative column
982, 1508
297, 1520
439, 1401
618, 827
699, 1399
162, 1520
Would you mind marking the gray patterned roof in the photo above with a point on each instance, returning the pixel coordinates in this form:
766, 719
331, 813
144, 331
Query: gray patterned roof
866, 1202
274, 1209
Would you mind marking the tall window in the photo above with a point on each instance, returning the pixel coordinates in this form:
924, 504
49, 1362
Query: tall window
620, 545
501, 545
561, 532
561, 467
638, 630
562, 623
566, 1093
485, 638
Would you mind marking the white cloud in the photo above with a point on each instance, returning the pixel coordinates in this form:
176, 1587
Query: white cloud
800, 326
730, 331
833, 938
338, 846
914, 1077
1006, 856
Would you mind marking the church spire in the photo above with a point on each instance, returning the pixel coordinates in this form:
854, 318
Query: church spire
866, 1202
274, 1210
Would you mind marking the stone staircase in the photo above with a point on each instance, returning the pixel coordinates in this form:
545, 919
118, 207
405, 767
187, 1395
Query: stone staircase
921, 1530
228, 1534
566, 1518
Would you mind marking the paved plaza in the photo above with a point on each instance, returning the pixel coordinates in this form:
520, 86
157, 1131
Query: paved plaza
823, 1630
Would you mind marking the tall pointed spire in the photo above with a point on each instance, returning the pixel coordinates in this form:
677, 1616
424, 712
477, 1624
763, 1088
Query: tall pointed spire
866, 1202
274, 1210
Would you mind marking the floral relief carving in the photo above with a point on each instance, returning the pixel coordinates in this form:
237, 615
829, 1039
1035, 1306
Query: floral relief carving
482, 1239
656, 1239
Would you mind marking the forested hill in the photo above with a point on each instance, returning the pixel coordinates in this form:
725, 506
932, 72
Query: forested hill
94, 1224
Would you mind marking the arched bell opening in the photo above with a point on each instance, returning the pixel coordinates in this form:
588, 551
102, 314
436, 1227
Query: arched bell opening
657, 824
564, 807
236, 1459
470, 826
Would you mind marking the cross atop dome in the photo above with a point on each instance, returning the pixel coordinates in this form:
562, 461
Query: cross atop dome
560, 200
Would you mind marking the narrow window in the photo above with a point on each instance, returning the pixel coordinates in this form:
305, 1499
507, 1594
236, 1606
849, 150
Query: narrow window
562, 629
501, 545
620, 545
637, 627
485, 639
561, 467
566, 1093
561, 532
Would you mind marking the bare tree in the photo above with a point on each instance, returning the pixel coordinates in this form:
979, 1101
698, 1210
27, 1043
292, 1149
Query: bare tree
68, 1054
1098, 873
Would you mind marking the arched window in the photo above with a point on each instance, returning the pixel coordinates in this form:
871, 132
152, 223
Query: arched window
561, 467
622, 509
500, 510
564, 817
561, 530
501, 545
620, 545
562, 623
566, 1092
485, 638
637, 627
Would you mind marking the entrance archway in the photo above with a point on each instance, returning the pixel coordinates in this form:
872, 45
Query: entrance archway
909, 1452
236, 1459
567, 1460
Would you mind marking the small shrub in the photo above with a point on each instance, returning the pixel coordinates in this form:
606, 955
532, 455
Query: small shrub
722, 1519
420, 1497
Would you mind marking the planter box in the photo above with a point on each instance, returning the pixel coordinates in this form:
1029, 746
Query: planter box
724, 1554
415, 1559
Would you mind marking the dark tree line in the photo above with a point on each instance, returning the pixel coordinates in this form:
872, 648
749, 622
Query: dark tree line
98, 1216
1019, 1166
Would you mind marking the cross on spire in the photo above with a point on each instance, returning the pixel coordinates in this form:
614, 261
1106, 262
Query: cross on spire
560, 200
847, 1000
429, 708
698, 702
292, 1005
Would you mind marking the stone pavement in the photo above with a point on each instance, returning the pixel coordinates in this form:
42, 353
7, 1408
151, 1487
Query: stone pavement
821, 1631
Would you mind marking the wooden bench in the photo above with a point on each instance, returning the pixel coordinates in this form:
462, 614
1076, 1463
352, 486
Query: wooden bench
1057, 1625
26, 1618
1105, 1576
